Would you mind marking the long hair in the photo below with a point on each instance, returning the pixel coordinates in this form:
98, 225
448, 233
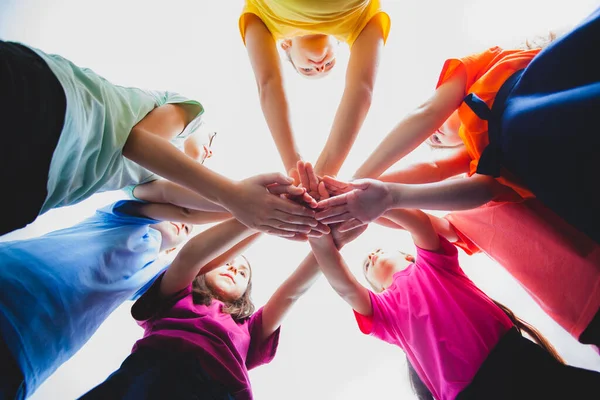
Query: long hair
239, 309
423, 392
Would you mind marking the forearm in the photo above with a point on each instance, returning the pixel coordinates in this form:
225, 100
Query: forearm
414, 174
213, 242
348, 120
276, 111
199, 251
170, 212
288, 293
454, 194
164, 191
159, 156
404, 138
339, 276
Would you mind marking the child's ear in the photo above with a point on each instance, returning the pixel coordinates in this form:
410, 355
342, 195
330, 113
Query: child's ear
286, 44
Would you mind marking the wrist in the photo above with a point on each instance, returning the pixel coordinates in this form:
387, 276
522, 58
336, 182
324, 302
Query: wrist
397, 192
225, 193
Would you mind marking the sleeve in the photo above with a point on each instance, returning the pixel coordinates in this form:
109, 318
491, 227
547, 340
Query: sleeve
249, 8
176, 98
379, 324
473, 65
151, 304
446, 257
260, 352
376, 14
124, 212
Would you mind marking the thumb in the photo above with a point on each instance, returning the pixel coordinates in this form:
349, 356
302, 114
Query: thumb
360, 184
273, 177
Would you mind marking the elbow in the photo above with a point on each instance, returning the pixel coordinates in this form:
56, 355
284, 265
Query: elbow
267, 85
364, 92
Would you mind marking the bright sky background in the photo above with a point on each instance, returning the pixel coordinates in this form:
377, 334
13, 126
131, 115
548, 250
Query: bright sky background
193, 47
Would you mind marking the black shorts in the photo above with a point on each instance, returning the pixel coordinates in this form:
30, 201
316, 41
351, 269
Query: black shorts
517, 368
12, 383
152, 374
32, 113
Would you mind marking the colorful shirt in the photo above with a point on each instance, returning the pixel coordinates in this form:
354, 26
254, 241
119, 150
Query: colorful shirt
98, 120
486, 72
226, 349
555, 263
58, 288
343, 19
445, 324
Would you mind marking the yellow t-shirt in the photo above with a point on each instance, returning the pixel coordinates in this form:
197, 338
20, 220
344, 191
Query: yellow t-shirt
343, 19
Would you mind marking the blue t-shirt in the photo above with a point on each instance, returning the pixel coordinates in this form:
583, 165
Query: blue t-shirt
57, 289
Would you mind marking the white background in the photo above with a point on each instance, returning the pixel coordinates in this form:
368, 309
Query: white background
193, 47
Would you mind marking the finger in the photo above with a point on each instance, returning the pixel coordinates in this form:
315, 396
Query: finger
303, 175
298, 237
286, 189
312, 178
286, 226
293, 219
323, 193
290, 207
274, 231
331, 212
337, 219
349, 225
314, 234
333, 201
309, 200
273, 177
322, 228
359, 184
331, 181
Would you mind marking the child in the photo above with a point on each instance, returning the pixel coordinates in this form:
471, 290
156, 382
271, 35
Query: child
542, 108
461, 344
57, 289
200, 333
85, 135
308, 31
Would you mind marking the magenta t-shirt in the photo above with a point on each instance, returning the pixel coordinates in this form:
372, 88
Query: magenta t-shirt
445, 324
226, 349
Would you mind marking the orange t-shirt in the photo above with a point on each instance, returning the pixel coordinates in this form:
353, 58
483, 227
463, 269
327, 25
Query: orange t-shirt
486, 73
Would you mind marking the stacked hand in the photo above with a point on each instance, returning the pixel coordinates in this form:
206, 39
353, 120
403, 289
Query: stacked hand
257, 203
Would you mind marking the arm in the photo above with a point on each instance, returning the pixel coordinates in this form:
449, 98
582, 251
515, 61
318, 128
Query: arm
441, 225
419, 225
197, 254
416, 127
339, 276
169, 212
164, 191
455, 163
288, 293
453, 194
266, 65
247, 200
356, 100
366, 200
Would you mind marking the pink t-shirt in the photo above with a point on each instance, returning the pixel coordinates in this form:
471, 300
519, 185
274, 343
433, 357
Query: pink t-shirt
226, 349
444, 323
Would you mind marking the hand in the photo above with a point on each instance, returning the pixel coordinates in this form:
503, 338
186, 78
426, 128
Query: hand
343, 238
251, 203
311, 182
364, 201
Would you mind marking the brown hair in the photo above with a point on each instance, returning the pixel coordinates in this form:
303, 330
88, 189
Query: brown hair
239, 309
423, 392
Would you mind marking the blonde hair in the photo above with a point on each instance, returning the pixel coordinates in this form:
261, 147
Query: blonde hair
540, 41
